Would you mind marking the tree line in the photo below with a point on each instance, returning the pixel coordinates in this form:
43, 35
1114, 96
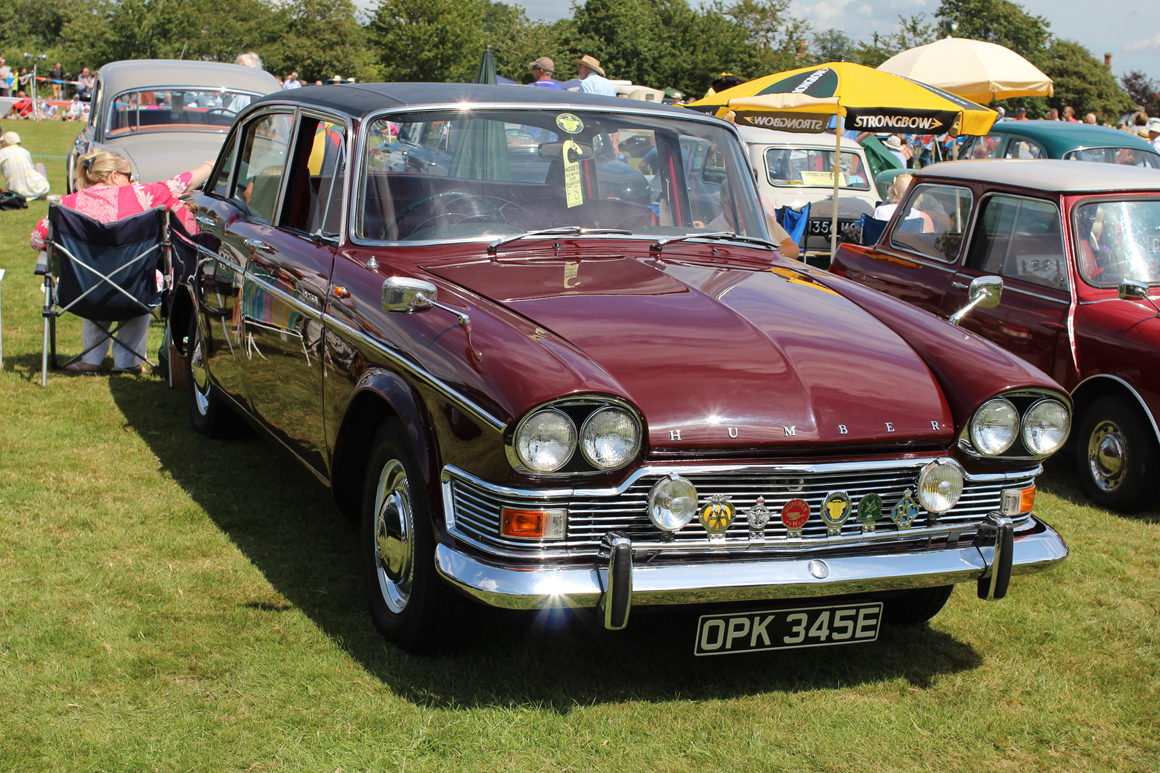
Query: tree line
658, 43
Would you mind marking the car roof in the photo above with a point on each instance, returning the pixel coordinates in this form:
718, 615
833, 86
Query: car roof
142, 73
1047, 175
358, 99
756, 135
1061, 136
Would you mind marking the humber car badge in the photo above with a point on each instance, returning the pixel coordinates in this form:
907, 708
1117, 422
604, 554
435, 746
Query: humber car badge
835, 510
869, 511
717, 516
905, 511
757, 516
794, 515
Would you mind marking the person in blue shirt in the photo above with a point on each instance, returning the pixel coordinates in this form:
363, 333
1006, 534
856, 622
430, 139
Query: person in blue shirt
542, 70
592, 80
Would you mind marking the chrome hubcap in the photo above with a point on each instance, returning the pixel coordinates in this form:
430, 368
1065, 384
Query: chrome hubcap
200, 376
394, 536
1107, 455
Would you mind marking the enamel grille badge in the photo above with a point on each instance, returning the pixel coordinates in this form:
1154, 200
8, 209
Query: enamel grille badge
717, 516
835, 511
905, 511
757, 516
794, 515
869, 511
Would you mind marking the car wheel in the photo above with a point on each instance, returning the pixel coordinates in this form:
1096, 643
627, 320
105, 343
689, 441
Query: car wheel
398, 546
1114, 449
208, 414
915, 606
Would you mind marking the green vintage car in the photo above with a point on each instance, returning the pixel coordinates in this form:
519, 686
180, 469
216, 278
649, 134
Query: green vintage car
1057, 139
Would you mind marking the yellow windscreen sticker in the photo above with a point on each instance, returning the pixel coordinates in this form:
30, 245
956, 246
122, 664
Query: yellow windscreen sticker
572, 190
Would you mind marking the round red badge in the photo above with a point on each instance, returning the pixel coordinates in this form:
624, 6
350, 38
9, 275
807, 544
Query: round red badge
795, 513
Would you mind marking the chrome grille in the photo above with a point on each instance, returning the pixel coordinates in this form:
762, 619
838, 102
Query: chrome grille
475, 506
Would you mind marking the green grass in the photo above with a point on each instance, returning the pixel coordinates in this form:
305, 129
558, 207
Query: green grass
173, 603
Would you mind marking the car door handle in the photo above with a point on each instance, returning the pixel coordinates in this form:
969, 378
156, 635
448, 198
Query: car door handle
206, 220
958, 285
257, 245
1053, 325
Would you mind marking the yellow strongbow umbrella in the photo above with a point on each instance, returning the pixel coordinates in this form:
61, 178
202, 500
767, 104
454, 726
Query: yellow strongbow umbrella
973, 69
803, 101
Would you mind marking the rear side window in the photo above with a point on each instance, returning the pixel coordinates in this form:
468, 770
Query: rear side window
1021, 239
934, 223
1125, 156
1018, 148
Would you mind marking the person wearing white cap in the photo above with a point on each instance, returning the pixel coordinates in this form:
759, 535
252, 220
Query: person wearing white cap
592, 80
20, 174
894, 145
1154, 132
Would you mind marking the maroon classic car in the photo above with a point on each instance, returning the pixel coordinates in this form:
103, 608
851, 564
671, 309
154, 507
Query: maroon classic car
549, 378
1077, 248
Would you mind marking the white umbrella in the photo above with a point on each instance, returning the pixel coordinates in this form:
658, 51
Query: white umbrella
971, 69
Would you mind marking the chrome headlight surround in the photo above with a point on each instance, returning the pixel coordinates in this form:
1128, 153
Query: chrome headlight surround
940, 485
1023, 446
581, 410
1046, 425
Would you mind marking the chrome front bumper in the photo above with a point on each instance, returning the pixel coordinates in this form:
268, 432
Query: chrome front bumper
531, 587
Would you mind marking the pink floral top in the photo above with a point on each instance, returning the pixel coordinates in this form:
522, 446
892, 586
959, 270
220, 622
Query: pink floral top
109, 203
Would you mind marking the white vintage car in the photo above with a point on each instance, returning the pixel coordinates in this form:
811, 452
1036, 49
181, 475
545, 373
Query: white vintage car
794, 170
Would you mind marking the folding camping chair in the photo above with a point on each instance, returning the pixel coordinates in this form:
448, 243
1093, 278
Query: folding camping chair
796, 223
106, 272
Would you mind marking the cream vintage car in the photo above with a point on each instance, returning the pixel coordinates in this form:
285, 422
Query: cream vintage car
794, 170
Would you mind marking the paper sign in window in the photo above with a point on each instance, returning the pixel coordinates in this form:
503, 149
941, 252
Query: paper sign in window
573, 193
822, 178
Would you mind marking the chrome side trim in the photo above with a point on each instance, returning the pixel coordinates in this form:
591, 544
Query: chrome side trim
515, 587
398, 360
1130, 388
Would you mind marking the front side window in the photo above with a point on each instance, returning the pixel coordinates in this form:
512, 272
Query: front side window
1018, 148
934, 223
313, 200
462, 174
1020, 239
1117, 240
811, 168
159, 110
263, 157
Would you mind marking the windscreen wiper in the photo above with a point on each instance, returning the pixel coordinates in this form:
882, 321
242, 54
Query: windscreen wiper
564, 230
659, 244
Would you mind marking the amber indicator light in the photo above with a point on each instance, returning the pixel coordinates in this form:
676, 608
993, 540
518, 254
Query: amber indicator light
1027, 500
523, 523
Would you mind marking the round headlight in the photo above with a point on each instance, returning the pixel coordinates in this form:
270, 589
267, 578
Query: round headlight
546, 440
940, 484
672, 503
1045, 427
609, 438
994, 426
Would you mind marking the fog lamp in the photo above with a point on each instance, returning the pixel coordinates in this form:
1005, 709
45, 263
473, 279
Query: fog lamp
940, 484
672, 503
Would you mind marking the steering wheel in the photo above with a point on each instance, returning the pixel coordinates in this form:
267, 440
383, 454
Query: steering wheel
468, 208
223, 110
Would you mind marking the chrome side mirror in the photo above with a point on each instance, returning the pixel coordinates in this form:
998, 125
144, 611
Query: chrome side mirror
1131, 288
403, 295
984, 293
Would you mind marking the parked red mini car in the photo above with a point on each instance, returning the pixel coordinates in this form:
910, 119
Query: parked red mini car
1077, 246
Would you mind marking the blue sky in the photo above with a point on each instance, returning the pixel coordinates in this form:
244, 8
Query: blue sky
1130, 30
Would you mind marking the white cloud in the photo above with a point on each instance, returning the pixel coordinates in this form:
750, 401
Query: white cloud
1150, 44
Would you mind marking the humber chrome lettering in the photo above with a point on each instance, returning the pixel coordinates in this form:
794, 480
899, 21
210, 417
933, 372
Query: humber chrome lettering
789, 431
733, 432
889, 426
934, 425
674, 434
842, 429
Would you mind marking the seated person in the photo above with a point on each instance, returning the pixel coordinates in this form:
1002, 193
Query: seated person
1089, 230
724, 222
20, 174
894, 195
106, 192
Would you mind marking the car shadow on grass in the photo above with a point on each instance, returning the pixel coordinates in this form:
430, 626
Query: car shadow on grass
1061, 480
287, 525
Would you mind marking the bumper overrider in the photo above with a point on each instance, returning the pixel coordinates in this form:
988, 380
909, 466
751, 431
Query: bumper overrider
612, 560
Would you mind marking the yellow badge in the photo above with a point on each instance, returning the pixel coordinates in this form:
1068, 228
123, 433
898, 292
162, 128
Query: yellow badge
569, 123
717, 516
572, 190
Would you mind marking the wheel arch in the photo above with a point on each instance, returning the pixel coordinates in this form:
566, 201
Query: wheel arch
380, 396
1094, 387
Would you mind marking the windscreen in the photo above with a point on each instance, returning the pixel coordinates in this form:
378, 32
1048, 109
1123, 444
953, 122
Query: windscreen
1125, 156
811, 167
466, 173
153, 110
1117, 240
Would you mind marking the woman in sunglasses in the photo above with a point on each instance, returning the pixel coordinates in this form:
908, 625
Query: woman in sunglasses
106, 191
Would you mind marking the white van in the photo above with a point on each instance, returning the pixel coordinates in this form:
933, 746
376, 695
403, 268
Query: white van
794, 170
